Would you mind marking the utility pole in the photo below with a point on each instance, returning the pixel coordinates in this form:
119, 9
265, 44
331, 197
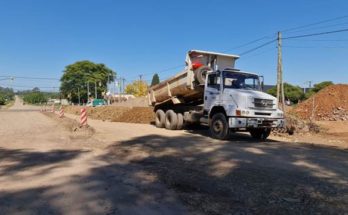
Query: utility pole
120, 88
78, 94
87, 92
280, 83
123, 80
95, 90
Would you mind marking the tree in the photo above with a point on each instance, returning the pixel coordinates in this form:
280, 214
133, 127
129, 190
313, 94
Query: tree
6, 94
291, 92
155, 80
318, 87
35, 97
76, 76
137, 88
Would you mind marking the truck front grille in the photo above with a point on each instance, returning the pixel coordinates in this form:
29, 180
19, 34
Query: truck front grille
263, 103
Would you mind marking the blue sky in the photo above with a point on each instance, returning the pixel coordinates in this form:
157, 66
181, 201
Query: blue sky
39, 37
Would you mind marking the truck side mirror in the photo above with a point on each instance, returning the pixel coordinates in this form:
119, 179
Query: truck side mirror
262, 86
262, 82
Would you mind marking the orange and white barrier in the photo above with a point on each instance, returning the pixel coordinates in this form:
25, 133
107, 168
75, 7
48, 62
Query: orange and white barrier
83, 117
61, 112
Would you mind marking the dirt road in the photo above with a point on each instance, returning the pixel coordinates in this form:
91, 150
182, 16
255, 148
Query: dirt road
44, 169
138, 169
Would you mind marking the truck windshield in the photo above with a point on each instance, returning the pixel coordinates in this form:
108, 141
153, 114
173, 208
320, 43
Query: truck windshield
237, 80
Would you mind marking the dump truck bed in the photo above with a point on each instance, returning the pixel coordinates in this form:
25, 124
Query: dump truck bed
183, 87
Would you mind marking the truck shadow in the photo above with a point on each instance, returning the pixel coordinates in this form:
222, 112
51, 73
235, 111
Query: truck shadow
192, 174
234, 136
220, 177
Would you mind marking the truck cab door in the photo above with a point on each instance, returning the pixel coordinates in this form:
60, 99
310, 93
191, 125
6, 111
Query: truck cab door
212, 90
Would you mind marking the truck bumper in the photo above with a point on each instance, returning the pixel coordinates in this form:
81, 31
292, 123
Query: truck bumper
235, 122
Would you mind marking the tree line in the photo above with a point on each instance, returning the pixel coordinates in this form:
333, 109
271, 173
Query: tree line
6, 95
296, 94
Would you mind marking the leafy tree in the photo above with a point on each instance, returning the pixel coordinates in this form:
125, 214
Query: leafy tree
6, 94
321, 85
35, 97
155, 80
2, 100
76, 76
318, 87
291, 92
137, 88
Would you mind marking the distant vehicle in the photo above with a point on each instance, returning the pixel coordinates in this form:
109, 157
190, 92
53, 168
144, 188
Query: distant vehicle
96, 103
212, 92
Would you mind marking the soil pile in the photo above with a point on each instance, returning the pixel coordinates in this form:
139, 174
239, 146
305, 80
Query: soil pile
142, 115
331, 103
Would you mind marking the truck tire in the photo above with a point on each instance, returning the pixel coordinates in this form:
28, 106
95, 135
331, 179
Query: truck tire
180, 124
160, 118
201, 73
171, 121
260, 133
219, 127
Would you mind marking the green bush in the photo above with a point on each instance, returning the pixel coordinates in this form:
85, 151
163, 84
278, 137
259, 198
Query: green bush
291, 92
6, 94
35, 98
318, 87
2, 100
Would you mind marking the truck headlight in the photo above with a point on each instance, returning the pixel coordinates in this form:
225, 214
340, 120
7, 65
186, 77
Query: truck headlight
245, 112
280, 114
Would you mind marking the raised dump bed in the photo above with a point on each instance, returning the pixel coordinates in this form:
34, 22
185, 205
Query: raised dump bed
188, 85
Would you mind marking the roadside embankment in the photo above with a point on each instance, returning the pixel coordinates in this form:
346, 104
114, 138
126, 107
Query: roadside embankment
142, 115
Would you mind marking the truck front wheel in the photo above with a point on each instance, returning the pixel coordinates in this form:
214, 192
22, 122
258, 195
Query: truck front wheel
171, 121
219, 127
160, 118
260, 133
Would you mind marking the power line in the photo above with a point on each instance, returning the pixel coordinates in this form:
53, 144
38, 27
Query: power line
315, 23
324, 40
258, 47
32, 78
321, 27
316, 34
20, 86
248, 43
325, 47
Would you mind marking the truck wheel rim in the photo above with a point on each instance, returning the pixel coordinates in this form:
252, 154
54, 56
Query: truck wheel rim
218, 126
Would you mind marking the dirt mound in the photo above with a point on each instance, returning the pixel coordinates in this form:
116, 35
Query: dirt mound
331, 103
142, 115
133, 102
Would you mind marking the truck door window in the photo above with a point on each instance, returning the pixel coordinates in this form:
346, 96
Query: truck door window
214, 81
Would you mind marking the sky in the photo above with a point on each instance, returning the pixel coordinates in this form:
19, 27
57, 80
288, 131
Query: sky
38, 38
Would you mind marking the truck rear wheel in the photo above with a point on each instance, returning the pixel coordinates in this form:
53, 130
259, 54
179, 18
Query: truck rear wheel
171, 121
260, 133
219, 127
180, 124
160, 118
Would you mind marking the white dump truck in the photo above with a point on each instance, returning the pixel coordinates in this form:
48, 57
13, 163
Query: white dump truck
210, 91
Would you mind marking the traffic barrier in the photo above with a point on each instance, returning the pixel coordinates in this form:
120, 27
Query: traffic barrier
83, 117
61, 112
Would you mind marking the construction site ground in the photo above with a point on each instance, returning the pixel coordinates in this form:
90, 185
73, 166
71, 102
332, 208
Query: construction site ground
49, 165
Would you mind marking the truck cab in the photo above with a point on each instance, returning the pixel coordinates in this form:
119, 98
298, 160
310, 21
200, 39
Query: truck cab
234, 101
